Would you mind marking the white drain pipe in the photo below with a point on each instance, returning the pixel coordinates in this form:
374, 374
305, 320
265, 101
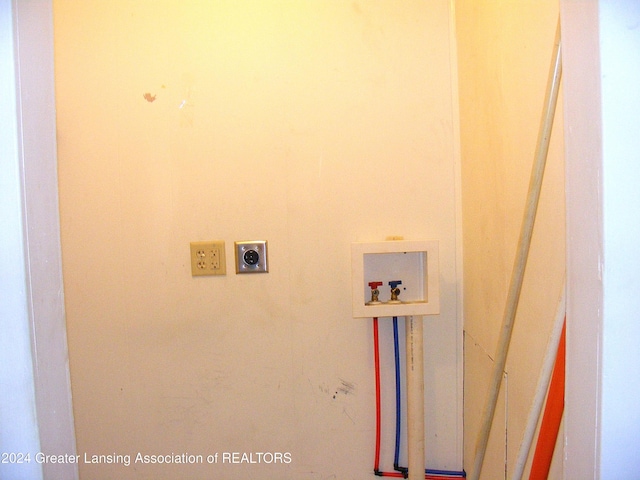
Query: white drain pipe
415, 398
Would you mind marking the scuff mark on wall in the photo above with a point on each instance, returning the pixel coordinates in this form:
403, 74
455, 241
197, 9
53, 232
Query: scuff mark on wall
345, 388
148, 97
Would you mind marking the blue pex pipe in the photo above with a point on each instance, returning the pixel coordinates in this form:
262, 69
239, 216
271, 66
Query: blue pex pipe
396, 352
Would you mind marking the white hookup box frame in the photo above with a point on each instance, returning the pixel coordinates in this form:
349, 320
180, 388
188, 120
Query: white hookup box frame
415, 263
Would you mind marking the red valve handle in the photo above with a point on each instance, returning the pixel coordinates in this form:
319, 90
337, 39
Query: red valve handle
374, 285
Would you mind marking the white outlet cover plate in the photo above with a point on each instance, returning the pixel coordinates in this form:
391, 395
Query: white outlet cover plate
208, 258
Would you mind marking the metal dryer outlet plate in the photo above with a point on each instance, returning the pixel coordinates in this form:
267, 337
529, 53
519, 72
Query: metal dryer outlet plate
251, 256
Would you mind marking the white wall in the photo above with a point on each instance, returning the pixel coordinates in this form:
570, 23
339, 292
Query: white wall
309, 124
583, 191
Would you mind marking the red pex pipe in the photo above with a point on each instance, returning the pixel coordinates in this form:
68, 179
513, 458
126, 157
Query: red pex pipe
376, 350
553, 410
376, 355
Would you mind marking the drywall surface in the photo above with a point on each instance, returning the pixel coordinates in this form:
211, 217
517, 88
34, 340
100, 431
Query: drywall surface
504, 52
311, 125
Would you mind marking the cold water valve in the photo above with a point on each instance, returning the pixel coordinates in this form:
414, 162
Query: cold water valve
395, 291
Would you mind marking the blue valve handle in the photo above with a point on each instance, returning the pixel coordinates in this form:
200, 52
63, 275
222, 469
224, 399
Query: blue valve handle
394, 283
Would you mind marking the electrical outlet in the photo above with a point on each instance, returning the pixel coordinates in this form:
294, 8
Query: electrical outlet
208, 258
251, 257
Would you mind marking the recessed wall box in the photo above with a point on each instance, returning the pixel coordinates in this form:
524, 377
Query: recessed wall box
414, 263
